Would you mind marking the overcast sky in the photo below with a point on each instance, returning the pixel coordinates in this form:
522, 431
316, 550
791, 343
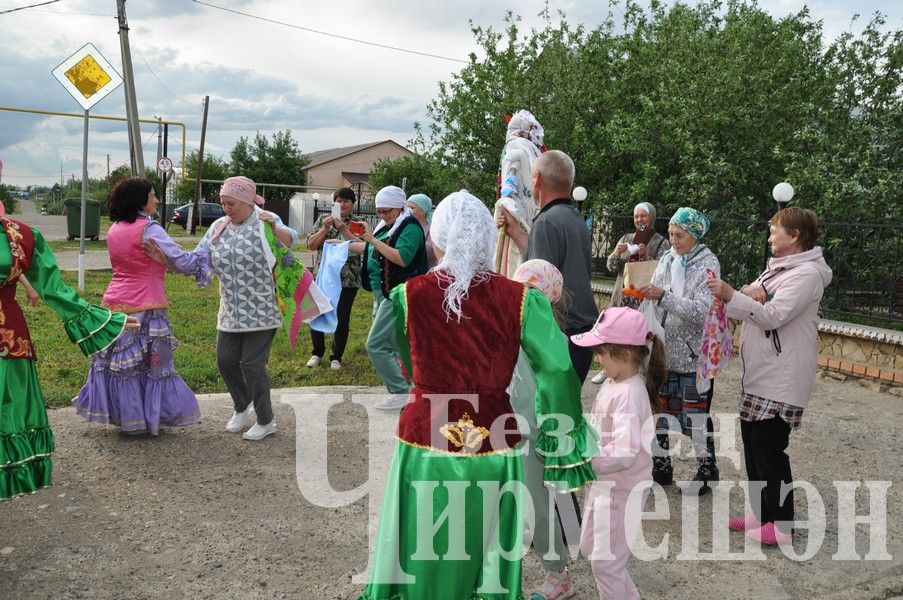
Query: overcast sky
260, 76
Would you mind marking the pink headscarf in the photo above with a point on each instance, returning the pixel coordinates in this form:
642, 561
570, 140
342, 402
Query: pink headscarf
242, 189
543, 276
238, 188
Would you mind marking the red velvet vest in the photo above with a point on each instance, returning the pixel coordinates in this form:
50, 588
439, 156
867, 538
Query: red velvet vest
462, 369
15, 342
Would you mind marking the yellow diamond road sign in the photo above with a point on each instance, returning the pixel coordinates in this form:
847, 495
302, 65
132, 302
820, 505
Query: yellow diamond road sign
87, 76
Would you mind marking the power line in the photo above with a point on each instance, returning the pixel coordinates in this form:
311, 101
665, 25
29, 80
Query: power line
29, 6
329, 34
147, 64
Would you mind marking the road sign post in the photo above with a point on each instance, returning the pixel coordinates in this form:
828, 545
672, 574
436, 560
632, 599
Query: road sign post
88, 78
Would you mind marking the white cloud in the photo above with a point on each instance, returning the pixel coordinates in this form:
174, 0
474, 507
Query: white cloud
261, 76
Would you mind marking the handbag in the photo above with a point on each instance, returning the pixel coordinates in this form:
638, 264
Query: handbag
639, 274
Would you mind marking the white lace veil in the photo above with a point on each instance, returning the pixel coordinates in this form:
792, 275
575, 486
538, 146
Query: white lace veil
464, 230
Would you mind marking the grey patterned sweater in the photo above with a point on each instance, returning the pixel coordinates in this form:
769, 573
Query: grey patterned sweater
247, 291
683, 316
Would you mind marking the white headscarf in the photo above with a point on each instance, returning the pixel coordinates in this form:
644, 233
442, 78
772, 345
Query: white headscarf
464, 230
648, 209
392, 196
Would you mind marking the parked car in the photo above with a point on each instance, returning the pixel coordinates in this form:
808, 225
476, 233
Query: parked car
210, 212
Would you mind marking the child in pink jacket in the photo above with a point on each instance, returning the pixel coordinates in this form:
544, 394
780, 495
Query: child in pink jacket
622, 414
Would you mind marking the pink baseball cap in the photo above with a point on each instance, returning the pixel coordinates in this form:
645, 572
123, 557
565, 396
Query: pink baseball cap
617, 325
242, 189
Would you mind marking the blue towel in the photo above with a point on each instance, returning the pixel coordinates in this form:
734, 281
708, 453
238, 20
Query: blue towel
329, 280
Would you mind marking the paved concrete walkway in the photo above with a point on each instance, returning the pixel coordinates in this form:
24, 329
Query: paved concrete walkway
200, 513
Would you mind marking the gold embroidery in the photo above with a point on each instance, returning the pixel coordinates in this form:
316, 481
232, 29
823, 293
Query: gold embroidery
14, 236
465, 434
517, 448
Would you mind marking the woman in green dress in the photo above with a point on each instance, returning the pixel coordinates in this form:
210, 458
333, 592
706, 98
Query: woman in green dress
451, 521
26, 441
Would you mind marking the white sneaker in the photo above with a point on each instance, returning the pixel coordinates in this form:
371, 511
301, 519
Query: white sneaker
599, 377
258, 432
393, 402
239, 420
314, 361
335, 365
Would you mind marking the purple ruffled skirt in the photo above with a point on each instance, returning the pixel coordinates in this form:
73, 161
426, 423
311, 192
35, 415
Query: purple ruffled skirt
134, 384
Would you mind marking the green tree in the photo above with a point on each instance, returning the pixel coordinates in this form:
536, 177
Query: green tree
277, 160
214, 168
707, 105
420, 174
9, 199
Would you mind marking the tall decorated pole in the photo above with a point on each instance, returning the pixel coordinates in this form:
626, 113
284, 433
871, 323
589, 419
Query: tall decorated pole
523, 145
88, 77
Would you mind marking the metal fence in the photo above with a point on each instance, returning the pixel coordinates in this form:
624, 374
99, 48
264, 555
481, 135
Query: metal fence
867, 260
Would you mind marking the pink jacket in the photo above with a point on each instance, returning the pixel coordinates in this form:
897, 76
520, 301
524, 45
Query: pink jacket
779, 339
623, 417
137, 283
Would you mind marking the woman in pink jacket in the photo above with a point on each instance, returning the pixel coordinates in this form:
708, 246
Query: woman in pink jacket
779, 349
134, 384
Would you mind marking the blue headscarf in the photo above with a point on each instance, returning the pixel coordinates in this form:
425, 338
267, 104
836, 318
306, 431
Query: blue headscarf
425, 204
693, 221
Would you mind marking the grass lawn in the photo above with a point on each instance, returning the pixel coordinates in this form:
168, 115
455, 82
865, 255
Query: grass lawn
62, 368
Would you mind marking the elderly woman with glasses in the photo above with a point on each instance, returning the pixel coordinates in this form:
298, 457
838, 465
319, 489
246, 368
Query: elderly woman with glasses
392, 253
682, 301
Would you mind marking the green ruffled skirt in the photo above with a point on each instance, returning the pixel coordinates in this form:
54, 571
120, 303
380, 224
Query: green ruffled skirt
431, 548
26, 441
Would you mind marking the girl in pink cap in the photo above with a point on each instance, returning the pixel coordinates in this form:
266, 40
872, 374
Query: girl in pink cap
622, 415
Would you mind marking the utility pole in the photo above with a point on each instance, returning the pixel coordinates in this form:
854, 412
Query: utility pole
159, 141
200, 173
131, 102
108, 166
163, 218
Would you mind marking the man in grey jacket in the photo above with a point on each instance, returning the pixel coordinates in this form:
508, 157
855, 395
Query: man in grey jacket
559, 236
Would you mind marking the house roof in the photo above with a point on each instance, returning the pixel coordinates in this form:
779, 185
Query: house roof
324, 156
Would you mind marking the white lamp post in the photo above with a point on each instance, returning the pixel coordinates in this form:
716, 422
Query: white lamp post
579, 195
783, 194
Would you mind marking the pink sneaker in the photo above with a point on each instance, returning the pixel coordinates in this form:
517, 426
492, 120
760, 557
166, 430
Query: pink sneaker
555, 587
744, 523
769, 535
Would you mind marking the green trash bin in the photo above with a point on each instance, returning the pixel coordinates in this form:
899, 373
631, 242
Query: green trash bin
73, 218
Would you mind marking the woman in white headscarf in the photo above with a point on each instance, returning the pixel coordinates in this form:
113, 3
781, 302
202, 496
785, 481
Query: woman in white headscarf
393, 253
460, 328
645, 243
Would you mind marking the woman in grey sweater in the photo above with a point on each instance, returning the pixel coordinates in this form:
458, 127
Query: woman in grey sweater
682, 300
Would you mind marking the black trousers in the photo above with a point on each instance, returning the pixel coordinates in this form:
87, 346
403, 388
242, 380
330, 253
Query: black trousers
764, 448
340, 338
581, 358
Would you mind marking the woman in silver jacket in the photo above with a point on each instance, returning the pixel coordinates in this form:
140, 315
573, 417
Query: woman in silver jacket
682, 300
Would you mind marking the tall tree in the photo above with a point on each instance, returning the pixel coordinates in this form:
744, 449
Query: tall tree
277, 160
708, 105
214, 168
